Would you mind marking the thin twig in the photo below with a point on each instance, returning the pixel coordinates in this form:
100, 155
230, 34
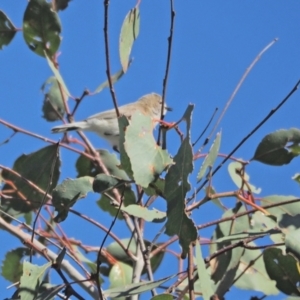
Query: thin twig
202, 133
40, 248
165, 80
107, 60
40, 137
251, 133
78, 101
240, 84
8, 139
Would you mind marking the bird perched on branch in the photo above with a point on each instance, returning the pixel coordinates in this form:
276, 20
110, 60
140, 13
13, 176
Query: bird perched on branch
105, 123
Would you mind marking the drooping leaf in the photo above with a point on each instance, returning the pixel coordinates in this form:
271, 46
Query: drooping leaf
234, 169
135, 288
53, 106
35, 167
31, 280
210, 157
211, 191
147, 159
41, 28
7, 30
57, 75
278, 148
12, 268
114, 79
176, 187
129, 33
204, 277
225, 266
144, 213
283, 269
67, 193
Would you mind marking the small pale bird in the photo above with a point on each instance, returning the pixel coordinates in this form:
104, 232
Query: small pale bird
105, 124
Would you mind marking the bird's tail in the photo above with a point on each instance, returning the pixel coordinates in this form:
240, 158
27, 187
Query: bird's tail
69, 127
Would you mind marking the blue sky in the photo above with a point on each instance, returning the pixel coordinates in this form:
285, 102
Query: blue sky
214, 43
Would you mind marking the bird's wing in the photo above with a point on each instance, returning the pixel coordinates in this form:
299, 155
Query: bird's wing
125, 110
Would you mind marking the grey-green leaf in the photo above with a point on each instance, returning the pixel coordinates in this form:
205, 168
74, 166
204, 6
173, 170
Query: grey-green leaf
41, 28
210, 157
68, 192
53, 106
139, 140
176, 187
7, 30
129, 33
278, 148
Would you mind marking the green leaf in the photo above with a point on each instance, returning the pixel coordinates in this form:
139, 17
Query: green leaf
114, 79
144, 213
283, 269
210, 157
57, 75
281, 210
211, 191
176, 187
225, 266
252, 273
67, 193
125, 161
7, 30
163, 297
155, 188
31, 280
60, 4
139, 140
86, 167
129, 33
102, 183
35, 167
204, 277
12, 268
292, 242
53, 105
41, 28
115, 250
120, 275
234, 172
274, 149
135, 288
128, 198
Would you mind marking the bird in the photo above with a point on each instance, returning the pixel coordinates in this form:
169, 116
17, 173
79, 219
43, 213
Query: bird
105, 123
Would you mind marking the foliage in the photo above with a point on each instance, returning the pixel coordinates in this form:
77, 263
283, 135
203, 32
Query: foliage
252, 247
